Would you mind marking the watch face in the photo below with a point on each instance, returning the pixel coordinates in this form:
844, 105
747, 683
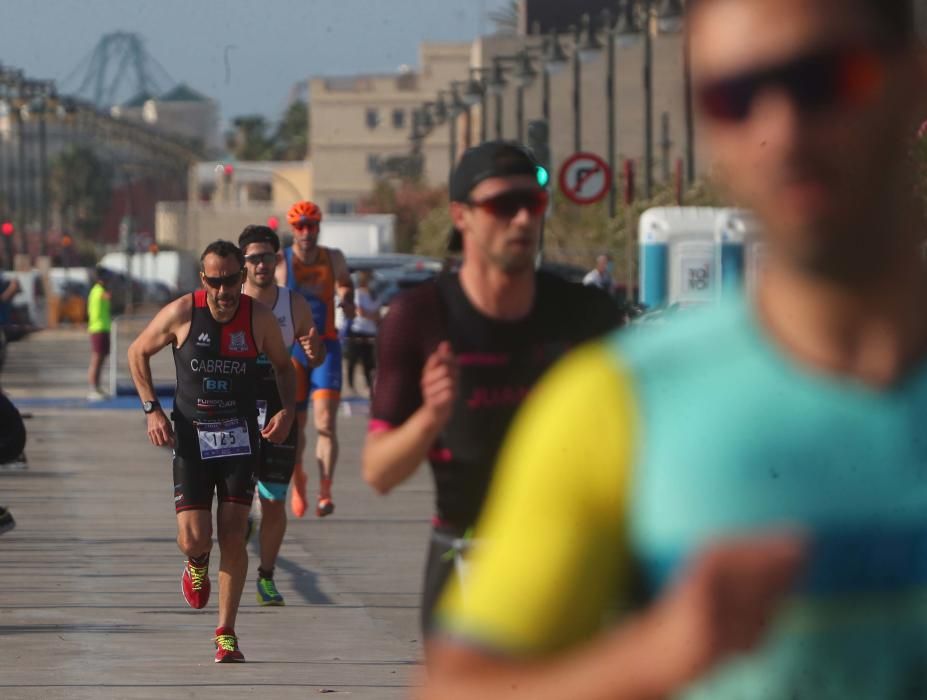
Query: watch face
148, 406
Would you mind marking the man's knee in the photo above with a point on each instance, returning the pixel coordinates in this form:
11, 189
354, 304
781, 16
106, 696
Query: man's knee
232, 538
194, 540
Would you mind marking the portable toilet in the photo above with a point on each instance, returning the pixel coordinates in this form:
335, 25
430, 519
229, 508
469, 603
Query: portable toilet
678, 261
738, 249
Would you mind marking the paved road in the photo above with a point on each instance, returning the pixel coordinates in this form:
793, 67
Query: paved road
90, 605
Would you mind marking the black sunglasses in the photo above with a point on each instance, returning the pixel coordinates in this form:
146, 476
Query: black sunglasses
258, 258
508, 204
227, 281
845, 76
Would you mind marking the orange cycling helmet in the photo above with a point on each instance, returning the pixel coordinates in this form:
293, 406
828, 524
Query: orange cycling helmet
303, 212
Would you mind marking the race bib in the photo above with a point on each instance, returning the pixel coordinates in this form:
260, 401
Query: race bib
262, 414
224, 438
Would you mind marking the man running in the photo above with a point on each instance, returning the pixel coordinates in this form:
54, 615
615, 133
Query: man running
637, 541
456, 356
217, 334
318, 274
260, 245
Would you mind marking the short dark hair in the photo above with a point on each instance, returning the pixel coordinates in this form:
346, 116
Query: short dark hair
255, 233
223, 249
895, 18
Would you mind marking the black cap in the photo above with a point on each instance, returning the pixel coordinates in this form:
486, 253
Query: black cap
258, 234
490, 159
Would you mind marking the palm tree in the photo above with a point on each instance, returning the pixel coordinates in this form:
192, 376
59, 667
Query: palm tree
81, 189
506, 18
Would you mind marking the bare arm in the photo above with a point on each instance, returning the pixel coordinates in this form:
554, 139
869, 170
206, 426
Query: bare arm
165, 328
306, 333
270, 342
390, 457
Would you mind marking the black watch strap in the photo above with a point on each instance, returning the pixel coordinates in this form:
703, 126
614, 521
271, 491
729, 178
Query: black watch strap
150, 406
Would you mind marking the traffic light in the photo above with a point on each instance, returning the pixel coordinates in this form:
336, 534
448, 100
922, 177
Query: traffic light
273, 223
539, 143
7, 228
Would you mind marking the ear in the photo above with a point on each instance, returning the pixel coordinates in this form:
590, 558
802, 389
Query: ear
458, 215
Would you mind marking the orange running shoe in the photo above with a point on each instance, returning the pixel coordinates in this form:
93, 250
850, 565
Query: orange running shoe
298, 492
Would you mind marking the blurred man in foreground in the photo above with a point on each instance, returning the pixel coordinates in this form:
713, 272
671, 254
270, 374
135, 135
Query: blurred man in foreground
741, 493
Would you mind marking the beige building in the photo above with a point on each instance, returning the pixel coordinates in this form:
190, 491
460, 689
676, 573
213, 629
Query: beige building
359, 121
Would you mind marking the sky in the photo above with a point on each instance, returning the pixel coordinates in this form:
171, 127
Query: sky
247, 54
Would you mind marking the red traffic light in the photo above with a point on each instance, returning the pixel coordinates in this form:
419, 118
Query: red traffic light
7, 228
228, 169
273, 222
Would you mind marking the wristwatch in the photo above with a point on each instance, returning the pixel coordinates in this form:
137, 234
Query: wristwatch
150, 406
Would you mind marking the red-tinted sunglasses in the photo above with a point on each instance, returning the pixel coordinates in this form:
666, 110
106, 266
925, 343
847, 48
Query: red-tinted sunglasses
508, 204
841, 77
307, 226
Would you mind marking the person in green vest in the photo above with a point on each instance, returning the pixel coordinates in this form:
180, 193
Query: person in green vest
98, 325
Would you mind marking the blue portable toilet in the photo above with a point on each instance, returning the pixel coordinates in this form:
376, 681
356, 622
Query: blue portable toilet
738, 250
678, 260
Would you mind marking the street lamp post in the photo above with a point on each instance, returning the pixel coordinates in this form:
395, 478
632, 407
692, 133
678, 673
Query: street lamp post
586, 48
577, 94
525, 75
648, 99
610, 111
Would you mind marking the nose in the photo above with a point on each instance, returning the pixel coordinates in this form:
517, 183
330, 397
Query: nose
777, 119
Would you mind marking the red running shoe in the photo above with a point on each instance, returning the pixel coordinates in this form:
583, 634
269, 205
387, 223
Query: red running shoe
195, 584
227, 651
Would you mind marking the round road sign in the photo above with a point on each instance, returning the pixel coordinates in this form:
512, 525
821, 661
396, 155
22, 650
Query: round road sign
585, 178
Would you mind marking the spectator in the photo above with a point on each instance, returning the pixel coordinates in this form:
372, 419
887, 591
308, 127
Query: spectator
98, 326
362, 331
600, 276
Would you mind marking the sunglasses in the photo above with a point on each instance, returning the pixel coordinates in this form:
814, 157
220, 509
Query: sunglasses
508, 204
232, 280
837, 78
258, 258
308, 226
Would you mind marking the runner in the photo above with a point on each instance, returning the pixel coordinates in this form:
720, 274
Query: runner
637, 540
317, 273
260, 246
217, 334
457, 356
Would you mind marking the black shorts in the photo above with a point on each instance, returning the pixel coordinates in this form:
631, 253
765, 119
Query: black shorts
276, 466
231, 476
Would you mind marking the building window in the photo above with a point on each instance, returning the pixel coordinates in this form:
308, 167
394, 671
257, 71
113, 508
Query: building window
341, 206
399, 118
373, 163
373, 117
